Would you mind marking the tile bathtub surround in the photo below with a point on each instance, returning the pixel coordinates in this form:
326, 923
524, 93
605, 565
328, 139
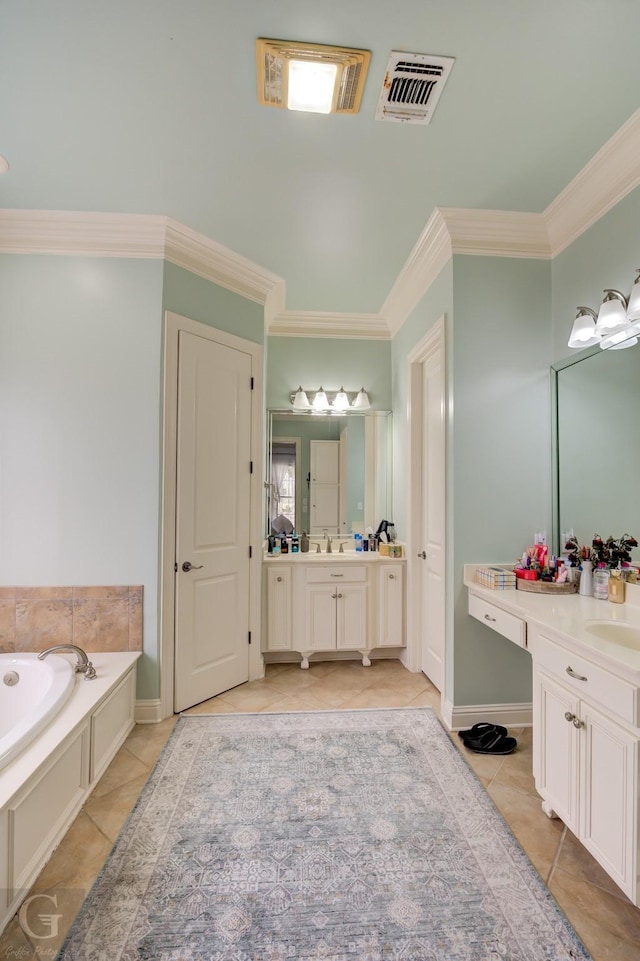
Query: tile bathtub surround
94, 618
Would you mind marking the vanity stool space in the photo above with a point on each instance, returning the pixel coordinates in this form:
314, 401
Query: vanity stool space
334, 602
586, 713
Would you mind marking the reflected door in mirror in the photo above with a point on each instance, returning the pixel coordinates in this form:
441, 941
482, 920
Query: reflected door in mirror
325, 486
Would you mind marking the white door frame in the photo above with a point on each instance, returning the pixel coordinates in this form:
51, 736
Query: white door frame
434, 339
174, 323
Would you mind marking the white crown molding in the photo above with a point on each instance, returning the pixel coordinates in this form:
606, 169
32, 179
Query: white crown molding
429, 255
149, 236
222, 266
76, 233
612, 173
291, 323
608, 177
497, 233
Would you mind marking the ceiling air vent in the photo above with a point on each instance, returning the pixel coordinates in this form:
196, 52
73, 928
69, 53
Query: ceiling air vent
274, 59
412, 87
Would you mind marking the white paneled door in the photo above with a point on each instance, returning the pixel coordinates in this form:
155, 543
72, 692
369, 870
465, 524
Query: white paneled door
213, 519
428, 504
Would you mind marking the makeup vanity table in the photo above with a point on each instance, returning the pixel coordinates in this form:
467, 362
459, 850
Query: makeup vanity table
586, 712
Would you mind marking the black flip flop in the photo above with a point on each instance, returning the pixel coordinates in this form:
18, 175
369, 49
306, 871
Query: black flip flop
483, 727
491, 742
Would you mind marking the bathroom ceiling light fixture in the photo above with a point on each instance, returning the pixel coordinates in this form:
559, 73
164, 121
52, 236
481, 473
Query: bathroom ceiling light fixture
330, 401
312, 77
616, 326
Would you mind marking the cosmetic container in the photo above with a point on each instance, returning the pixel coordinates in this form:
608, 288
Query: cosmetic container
601, 583
616, 588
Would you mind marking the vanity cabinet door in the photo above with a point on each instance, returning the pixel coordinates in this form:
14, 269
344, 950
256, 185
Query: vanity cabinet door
320, 620
391, 606
555, 750
351, 616
609, 789
279, 608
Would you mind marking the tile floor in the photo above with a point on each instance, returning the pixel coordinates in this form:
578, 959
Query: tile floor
607, 922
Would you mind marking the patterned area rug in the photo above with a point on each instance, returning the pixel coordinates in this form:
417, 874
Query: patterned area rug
324, 836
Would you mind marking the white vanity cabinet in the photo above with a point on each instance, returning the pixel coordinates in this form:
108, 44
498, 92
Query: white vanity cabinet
585, 763
328, 603
586, 713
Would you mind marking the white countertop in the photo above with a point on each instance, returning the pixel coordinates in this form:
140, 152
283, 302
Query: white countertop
568, 615
347, 557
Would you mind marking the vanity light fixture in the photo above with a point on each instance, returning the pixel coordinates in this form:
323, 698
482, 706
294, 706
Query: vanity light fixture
616, 325
300, 400
313, 77
320, 401
334, 402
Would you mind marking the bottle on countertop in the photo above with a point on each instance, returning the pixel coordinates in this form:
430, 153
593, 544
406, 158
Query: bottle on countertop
304, 543
601, 582
616, 587
284, 544
295, 543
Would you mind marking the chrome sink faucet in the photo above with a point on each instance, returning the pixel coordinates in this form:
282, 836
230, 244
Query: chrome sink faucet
83, 664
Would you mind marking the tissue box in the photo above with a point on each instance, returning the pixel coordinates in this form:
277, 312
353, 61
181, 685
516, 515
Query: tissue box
383, 549
496, 578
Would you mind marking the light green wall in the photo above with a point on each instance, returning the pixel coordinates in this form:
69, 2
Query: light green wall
191, 296
80, 417
436, 303
501, 441
331, 363
80, 345
606, 255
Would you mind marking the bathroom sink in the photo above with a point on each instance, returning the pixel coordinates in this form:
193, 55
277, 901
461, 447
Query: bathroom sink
619, 633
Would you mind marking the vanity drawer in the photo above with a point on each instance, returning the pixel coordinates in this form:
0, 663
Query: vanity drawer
331, 574
510, 626
593, 682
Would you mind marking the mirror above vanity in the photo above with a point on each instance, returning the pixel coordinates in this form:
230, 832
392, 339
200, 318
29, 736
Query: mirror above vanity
328, 472
597, 449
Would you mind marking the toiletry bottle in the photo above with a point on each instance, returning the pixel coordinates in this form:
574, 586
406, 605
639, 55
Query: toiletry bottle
276, 546
372, 542
270, 541
617, 587
601, 583
304, 543
358, 540
295, 543
284, 544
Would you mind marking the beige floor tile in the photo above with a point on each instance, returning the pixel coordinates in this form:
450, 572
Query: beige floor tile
213, 706
250, 697
110, 811
147, 740
78, 859
124, 767
574, 860
305, 702
379, 697
609, 926
516, 771
15, 944
539, 835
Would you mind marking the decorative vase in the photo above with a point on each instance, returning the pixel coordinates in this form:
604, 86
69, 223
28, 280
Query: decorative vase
586, 579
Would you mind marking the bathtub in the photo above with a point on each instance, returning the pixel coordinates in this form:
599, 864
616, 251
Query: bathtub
58, 735
32, 692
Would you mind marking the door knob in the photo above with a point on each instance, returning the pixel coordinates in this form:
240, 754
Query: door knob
423, 555
188, 566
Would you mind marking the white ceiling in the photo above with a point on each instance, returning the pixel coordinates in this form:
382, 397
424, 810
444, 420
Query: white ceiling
150, 106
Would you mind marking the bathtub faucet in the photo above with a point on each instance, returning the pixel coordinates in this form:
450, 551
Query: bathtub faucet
83, 665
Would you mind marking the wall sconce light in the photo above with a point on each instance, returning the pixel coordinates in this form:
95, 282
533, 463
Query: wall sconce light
333, 401
616, 324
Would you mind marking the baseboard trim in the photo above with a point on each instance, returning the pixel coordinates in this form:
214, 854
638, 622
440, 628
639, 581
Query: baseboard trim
148, 711
458, 717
